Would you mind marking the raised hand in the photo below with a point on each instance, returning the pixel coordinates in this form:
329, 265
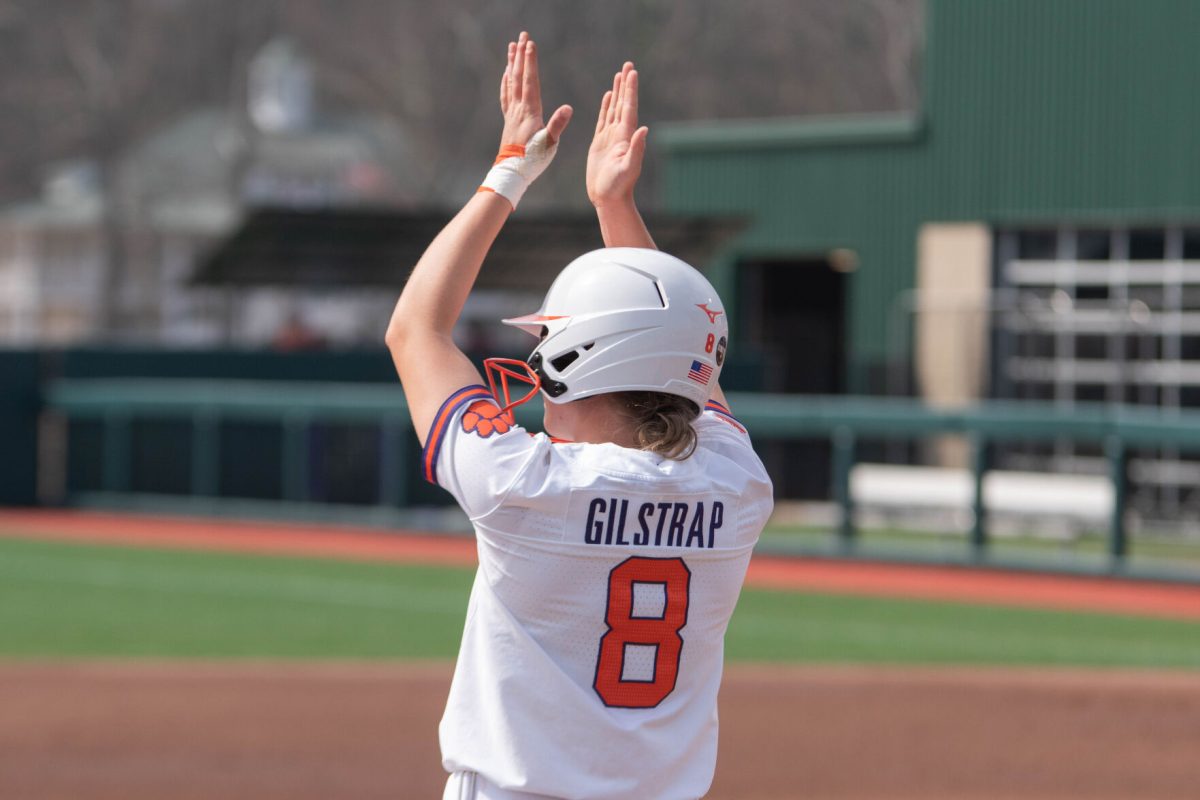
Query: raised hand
615, 158
521, 97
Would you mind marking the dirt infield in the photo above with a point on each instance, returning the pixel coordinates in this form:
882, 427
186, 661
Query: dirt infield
141, 731
995, 587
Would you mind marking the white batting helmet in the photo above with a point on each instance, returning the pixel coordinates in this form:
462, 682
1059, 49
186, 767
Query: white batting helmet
628, 319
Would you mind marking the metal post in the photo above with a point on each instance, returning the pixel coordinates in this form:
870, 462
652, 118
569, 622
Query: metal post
206, 433
295, 458
843, 462
980, 462
1118, 471
393, 463
115, 468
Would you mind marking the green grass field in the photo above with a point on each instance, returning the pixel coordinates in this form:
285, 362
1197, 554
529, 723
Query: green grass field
74, 601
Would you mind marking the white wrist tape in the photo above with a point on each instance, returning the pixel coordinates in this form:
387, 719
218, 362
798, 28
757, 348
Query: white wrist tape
517, 166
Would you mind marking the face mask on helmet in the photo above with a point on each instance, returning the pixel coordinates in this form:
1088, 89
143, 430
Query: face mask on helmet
500, 371
627, 319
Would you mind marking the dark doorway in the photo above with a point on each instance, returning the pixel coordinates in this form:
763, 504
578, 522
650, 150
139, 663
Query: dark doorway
792, 311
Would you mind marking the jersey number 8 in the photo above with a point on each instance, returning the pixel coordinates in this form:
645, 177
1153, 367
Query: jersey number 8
660, 632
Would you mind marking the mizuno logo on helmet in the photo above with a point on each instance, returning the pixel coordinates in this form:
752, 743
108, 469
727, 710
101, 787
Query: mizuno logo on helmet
712, 315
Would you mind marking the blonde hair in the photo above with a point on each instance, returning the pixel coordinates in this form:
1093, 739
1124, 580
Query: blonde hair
662, 423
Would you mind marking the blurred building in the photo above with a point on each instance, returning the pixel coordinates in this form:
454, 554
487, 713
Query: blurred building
1033, 232
171, 197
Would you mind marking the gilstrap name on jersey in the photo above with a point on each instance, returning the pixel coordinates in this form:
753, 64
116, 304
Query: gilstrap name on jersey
617, 521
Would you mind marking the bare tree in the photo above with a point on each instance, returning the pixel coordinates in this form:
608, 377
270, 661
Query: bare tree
433, 67
96, 77
91, 77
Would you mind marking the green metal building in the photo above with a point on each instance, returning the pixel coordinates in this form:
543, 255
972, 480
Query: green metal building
1061, 137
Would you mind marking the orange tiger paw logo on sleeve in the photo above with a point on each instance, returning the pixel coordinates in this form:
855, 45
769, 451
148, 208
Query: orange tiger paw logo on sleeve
483, 418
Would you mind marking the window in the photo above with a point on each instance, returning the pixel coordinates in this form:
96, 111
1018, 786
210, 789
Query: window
1108, 315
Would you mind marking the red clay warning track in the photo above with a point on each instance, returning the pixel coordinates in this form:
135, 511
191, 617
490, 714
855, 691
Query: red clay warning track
963, 585
293, 731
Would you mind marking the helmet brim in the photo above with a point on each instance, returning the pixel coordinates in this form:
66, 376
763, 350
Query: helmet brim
532, 323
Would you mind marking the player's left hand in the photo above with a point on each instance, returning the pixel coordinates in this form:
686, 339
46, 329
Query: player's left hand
521, 98
615, 158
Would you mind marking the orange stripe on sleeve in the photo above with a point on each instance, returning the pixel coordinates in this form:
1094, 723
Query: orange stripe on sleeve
433, 442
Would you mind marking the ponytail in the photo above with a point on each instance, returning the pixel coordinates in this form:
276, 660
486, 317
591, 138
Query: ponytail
662, 423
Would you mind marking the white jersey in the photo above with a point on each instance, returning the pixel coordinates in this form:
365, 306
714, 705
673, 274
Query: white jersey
594, 638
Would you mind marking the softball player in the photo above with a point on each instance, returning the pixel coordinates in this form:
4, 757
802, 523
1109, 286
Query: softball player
613, 547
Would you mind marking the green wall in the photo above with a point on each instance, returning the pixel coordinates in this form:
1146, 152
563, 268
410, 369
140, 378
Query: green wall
1034, 112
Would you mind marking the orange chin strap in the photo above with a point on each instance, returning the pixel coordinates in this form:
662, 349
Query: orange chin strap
504, 369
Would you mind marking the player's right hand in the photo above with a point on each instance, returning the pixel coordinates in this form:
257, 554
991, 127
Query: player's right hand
615, 158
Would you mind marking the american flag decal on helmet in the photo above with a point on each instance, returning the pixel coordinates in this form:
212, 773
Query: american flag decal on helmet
700, 373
